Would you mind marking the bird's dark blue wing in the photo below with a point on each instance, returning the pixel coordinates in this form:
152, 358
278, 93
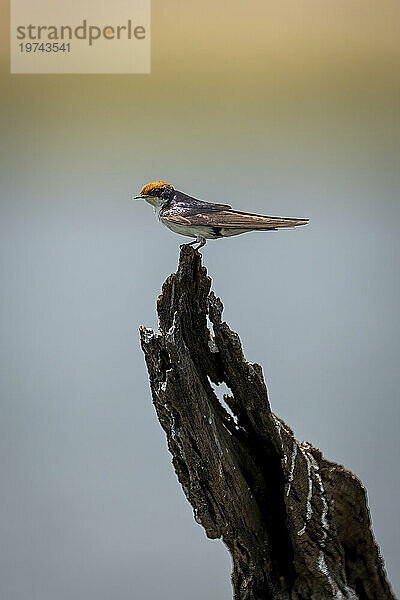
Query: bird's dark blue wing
187, 202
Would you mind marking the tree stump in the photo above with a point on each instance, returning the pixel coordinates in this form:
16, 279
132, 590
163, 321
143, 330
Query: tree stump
297, 525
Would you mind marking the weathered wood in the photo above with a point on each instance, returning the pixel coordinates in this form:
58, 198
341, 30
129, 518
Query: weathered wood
297, 526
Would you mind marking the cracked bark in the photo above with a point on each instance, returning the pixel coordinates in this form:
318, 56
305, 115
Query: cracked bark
297, 526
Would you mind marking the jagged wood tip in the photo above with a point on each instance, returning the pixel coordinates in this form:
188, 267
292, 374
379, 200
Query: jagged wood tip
297, 526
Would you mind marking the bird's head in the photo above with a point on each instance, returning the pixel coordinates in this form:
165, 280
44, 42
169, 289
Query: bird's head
156, 193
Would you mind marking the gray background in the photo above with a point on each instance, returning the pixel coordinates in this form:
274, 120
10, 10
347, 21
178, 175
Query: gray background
90, 507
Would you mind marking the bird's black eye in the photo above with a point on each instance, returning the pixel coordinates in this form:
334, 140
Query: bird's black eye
155, 192
166, 192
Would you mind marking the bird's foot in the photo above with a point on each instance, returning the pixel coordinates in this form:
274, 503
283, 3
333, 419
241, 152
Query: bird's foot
200, 241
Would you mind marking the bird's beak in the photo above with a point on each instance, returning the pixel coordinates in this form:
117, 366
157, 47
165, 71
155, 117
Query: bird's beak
138, 197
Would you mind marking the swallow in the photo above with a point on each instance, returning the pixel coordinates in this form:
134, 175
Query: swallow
206, 220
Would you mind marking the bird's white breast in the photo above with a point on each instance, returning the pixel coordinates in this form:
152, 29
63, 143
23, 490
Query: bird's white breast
188, 230
196, 231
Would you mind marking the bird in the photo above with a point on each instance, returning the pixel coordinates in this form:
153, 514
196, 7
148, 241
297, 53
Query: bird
202, 220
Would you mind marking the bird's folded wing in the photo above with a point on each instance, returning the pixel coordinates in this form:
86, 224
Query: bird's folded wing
231, 219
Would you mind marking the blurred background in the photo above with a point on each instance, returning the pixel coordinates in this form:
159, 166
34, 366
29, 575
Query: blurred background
279, 107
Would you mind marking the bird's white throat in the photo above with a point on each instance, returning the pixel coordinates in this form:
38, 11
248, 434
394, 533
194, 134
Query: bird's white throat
157, 203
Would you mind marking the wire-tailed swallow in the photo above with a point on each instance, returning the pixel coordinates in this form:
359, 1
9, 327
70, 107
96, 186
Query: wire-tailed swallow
205, 220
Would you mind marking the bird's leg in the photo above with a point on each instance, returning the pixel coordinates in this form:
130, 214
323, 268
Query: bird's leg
202, 242
189, 244
199, 240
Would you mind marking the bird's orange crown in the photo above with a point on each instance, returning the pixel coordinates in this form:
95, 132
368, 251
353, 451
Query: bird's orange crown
146, 189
